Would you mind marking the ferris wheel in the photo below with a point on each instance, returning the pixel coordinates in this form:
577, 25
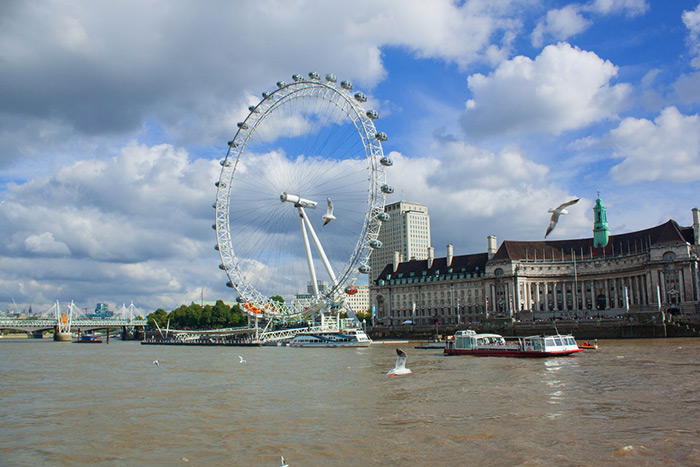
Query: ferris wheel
300, 198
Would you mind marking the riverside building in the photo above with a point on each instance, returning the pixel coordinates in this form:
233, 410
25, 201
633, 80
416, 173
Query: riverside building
648, 271
407, 231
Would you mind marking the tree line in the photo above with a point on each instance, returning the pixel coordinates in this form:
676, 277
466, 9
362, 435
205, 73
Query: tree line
195, 316
219, 315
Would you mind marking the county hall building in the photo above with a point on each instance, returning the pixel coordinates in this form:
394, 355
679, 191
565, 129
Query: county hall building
652, 270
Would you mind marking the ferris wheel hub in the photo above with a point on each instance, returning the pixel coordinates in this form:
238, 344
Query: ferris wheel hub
297, 201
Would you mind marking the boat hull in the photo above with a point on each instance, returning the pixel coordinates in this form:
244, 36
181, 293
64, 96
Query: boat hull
330, 339
510, 353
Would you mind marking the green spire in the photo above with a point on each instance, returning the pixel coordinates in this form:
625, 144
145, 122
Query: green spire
600, 224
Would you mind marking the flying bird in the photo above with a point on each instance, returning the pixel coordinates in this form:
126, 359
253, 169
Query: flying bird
156, 362
561, 209
284, 464
243, 360
400, 367
328, 216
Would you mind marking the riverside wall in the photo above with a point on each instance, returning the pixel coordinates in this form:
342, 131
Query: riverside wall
580, 329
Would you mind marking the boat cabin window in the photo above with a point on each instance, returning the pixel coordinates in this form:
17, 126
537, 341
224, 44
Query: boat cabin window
557, 342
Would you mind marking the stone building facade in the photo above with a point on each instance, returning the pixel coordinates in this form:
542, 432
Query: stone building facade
651, 270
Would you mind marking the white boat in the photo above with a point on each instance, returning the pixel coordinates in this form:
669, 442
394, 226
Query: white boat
351, 337
494, 345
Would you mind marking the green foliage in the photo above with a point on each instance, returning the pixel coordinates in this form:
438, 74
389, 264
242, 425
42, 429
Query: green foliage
364, 315
159, 316
194, 316
277, 298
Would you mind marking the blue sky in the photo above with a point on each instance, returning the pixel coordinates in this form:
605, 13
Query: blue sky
114, 118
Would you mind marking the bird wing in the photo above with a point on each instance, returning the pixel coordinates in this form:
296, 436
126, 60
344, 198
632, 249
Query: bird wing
552, 223
567, 204
330, 207
400, 359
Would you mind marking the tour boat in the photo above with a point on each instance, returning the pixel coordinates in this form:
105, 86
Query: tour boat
468, 342
89, 339
331, 338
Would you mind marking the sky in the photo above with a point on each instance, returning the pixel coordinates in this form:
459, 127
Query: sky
114, 117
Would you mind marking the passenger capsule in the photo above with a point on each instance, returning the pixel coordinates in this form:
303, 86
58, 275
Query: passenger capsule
351, 290
213, 205
216, 247
346, 85
375, 244
229, 284
359, 97
265, 95
213, 226
330, 77
364, 268
252, 108
240, 299
222, 267
314, 75
297, 77
381, 136
372, 114
386, 162
242, 125
233, 143
216, 184
388, 189
281, 84
382, 216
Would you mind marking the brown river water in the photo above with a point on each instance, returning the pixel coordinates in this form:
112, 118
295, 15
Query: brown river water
632, 402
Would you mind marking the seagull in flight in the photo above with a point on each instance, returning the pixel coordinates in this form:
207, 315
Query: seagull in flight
156, 362
284, 464
400, 367
243, 360
328, 216
561, 209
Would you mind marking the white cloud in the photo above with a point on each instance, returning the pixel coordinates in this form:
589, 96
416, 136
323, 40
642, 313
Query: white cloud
626, 7
667, 149
191, 67
564, 88
46, 244
559, 25
472, 193
100, 227
691, 19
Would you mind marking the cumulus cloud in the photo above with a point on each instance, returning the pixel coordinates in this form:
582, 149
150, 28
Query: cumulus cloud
563, 88
472, 193
191, 67
667, 149
691, 19
97, 225
46, 244
559, 25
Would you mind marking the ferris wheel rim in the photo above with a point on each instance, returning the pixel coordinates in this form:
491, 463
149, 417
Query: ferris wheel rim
371, 141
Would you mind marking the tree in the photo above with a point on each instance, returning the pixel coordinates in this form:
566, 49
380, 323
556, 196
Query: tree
159, 316
277, 298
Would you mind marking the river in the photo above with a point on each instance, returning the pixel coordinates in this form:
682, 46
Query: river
632, 402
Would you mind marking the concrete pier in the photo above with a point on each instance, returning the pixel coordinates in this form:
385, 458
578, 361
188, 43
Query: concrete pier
62, 336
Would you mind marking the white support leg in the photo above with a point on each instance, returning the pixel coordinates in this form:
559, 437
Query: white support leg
307, 247
324, 258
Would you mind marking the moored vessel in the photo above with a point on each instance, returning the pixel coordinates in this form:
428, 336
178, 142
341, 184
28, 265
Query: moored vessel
350, 337
468, 342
